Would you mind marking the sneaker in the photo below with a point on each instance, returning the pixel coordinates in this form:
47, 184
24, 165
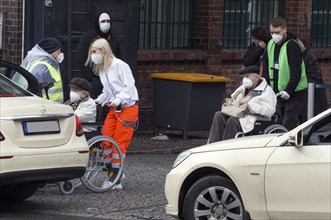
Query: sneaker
117, 186
106, 184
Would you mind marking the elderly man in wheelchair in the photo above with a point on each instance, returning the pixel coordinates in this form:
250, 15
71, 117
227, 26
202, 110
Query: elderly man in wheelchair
253, 100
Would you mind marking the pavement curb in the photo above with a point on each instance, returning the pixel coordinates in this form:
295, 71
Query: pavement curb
174, 150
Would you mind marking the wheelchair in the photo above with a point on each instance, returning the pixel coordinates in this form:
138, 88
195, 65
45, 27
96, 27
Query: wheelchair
96, 171
265, 127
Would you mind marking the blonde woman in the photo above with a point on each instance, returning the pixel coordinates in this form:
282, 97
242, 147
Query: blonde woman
120, 94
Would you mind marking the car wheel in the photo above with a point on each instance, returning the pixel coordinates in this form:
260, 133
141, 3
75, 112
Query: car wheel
213, 197
18, 192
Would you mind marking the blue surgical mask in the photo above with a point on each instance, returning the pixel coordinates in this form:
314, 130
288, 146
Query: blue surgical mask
104, 27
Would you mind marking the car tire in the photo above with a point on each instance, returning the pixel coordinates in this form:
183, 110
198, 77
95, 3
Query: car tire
213, 197
18, 192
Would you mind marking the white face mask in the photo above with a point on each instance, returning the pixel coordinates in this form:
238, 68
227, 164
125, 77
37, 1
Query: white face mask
74, 96
96, 58
277, 38
60, 58
104, 27
247, 83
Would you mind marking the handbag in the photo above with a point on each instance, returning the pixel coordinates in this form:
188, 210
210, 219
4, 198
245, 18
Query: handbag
231, 107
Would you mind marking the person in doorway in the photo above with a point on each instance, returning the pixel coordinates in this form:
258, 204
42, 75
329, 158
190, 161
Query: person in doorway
102, 29
120, 94
284, 70
43, 62
255, 51
261, 104
83, 105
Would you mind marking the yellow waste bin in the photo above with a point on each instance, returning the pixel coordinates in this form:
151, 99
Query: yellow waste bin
186, 101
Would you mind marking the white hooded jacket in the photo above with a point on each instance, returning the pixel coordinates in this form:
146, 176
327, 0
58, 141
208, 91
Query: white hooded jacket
261, 104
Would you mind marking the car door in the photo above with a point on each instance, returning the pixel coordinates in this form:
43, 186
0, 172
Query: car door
11, 71
297, 183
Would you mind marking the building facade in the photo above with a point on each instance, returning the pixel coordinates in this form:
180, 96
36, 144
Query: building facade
205, 36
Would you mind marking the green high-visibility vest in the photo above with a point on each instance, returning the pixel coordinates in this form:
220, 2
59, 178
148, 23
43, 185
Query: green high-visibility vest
55, 93
284, 69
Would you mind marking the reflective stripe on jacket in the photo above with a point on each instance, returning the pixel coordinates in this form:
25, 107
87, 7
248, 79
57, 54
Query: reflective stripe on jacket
284, 69
55, 93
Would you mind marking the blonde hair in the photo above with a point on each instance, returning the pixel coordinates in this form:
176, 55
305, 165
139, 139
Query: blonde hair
108, 55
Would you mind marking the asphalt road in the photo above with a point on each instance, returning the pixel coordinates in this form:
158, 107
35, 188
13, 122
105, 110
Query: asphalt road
141, 198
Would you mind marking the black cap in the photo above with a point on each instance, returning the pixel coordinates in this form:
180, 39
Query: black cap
250, 69
50, 44
80, 83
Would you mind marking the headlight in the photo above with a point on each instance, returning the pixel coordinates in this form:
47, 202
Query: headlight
181, 157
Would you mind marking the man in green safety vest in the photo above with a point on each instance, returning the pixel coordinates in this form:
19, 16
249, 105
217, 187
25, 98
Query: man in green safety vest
43, 62
284, 70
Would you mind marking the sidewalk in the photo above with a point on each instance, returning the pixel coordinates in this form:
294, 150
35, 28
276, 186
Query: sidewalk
142, 142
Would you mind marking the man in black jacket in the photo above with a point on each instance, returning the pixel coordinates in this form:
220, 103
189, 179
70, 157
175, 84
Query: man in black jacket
255, 50
284, 69
101, 30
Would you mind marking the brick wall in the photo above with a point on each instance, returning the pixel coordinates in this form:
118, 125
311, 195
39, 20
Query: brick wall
216, 60
12, 44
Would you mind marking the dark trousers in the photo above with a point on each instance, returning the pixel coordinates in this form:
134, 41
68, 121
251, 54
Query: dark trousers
290, 110
96, 87
223, 127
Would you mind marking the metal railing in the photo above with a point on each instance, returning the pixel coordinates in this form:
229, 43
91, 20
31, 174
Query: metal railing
321, 23
241, 16
166, 24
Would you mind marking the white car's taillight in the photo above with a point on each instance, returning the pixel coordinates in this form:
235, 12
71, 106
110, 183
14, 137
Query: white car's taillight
79, 128
2, 138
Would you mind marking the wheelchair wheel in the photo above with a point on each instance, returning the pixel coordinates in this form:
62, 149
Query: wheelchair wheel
66, 187
76, 182
96, 171
42, 187
276, 128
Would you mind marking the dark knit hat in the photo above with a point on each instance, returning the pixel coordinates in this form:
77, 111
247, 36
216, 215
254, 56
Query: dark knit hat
250, 69
80, 83
50, 44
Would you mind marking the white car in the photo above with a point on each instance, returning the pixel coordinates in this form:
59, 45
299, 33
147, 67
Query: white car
40, 140
275, 176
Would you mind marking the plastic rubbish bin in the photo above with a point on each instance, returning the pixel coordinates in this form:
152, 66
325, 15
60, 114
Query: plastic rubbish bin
186, 101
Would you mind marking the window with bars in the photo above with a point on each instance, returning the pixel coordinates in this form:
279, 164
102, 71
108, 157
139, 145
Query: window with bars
321, 24
166, 24
241, 16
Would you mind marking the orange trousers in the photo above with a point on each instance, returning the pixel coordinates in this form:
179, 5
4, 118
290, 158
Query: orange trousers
115, 128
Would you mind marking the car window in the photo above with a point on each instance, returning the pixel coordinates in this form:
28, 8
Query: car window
10, 89
319, 133
20, 76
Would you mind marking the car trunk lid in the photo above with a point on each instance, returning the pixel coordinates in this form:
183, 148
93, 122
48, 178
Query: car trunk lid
33, 123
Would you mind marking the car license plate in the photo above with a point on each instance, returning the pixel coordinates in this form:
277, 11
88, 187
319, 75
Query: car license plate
41, 127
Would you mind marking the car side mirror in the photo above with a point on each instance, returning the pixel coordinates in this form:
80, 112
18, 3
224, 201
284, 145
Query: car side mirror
296, 138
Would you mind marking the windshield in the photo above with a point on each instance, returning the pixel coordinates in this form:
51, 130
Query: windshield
10, 89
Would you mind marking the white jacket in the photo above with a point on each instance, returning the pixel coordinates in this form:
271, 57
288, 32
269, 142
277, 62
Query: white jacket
118, 83
87, 112
261, 104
